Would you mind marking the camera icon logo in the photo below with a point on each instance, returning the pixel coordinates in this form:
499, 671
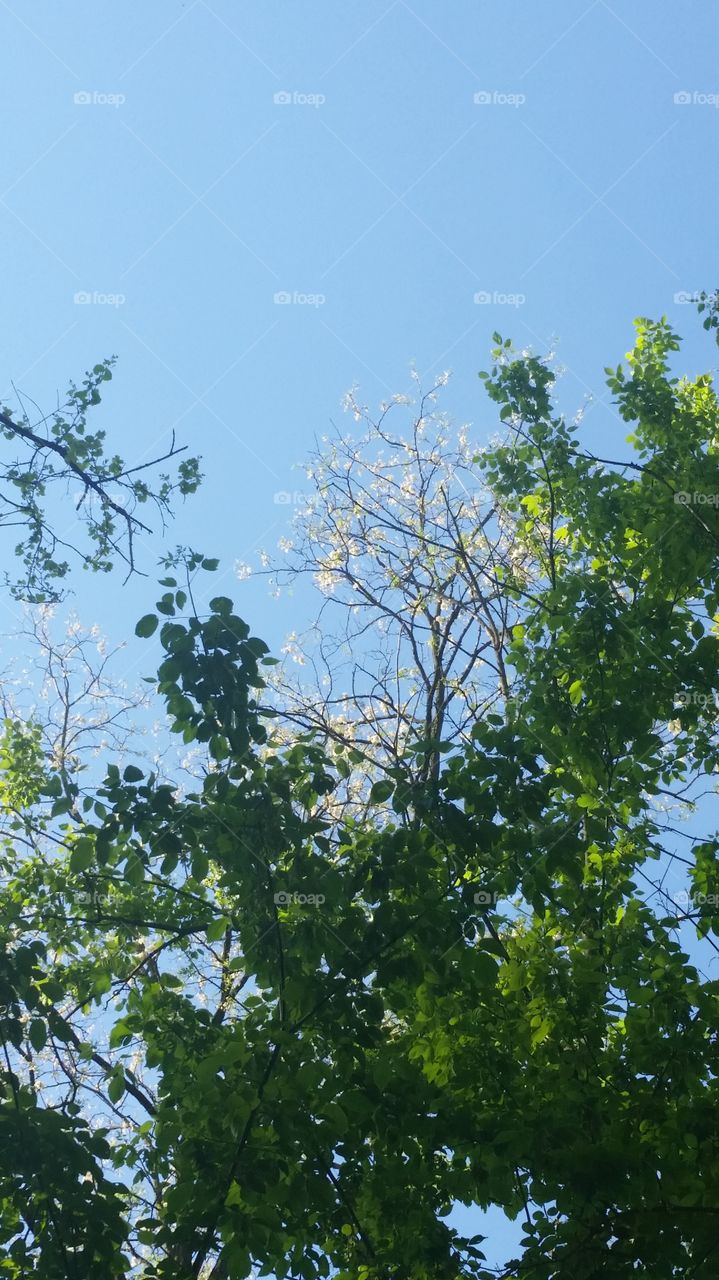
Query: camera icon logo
483, 898
82, 98
682, 98
281, 98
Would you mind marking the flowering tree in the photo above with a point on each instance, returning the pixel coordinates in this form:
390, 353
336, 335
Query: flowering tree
65, 683
412, 555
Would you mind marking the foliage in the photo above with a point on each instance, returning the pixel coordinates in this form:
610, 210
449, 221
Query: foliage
301, 1041
59, 451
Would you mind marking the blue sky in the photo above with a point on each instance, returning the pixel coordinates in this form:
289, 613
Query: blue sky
382, 186
418, 155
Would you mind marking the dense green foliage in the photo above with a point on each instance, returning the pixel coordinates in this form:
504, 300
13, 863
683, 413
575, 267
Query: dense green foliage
237, 1035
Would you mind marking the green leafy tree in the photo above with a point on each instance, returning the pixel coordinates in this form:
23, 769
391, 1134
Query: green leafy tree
258, 1040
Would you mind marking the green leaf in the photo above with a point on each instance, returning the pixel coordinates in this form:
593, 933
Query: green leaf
37, 1034
116, 1086
576, 691
82, 855
216, 930
381, 791
147, 626
134, 870
586, 801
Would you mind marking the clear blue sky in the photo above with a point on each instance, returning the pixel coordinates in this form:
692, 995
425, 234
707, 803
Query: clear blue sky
398, 198
382, 186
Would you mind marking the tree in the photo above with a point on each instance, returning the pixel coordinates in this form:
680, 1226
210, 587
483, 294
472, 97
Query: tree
65, 685
408, 549
58, 450
304, 1040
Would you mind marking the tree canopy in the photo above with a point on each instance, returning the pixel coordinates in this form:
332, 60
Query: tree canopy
243, 1035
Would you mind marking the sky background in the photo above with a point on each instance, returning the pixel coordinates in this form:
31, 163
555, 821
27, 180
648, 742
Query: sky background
417, 155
